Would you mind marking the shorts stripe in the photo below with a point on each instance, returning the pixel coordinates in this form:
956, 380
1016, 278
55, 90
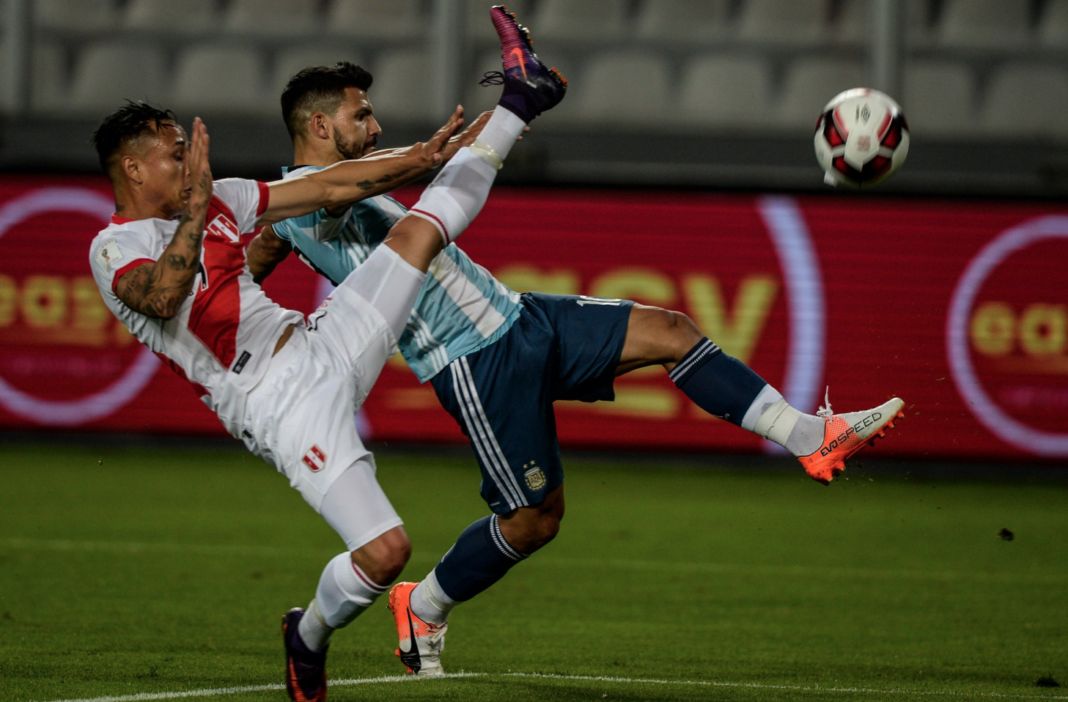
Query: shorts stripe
479, 439
501, 542
703, 349
480, 413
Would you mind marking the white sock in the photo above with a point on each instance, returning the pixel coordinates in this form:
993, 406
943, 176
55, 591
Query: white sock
343, 594
430, 603
498, 137
457, 194
313, 630
773, 418
390, 284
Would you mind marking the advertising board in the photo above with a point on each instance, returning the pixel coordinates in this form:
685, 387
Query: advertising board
959, 307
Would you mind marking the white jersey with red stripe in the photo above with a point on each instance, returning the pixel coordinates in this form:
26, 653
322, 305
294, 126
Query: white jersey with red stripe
223, 335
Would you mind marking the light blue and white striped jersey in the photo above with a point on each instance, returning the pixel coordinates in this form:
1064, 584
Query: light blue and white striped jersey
461, 307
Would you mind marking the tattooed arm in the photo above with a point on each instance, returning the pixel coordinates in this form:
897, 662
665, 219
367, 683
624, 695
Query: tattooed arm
349, 182
158, 289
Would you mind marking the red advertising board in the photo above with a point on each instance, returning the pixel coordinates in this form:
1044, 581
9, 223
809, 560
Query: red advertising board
959, 307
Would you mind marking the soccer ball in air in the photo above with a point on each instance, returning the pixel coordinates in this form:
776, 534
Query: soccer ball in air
861, 139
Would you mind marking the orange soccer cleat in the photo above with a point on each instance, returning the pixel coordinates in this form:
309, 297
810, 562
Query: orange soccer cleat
420, 643
845, 434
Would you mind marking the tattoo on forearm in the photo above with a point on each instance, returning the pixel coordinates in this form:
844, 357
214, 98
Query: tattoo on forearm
157, 290
384, 180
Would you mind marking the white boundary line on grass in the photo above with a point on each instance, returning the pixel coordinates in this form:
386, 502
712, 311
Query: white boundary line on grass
146, 696
137, 548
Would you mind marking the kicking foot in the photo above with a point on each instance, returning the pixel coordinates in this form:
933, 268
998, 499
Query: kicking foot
845, 434
305, 668
530, 87
421, 643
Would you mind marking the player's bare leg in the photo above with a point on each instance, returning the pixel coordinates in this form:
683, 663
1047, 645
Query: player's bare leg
726, 388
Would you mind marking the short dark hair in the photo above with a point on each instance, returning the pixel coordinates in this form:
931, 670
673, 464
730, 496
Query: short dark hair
130, 121
320, 89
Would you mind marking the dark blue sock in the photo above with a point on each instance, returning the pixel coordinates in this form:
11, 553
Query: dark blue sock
719, 384
479, 558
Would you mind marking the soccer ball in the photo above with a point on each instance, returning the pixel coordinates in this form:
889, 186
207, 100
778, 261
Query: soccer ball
861, 138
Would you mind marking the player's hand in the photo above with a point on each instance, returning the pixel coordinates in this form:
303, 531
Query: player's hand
466, 137
200, 179
433, 151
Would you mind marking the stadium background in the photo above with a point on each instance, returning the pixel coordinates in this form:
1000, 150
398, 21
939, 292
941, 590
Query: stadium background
142, 552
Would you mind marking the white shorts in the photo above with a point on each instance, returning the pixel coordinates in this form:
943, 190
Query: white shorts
301, 417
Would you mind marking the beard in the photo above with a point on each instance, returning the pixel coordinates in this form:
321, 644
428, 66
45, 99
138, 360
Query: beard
350, 149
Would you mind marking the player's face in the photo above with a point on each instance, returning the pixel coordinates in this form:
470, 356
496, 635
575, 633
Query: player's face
163, 170
356, 130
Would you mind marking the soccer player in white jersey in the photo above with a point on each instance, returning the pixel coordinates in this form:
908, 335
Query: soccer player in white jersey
172, 267
498, 360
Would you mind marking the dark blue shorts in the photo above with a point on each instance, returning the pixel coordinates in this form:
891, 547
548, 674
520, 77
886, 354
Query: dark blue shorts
562, 347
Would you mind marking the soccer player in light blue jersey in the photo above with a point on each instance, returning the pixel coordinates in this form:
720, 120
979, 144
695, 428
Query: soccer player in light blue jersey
498, 360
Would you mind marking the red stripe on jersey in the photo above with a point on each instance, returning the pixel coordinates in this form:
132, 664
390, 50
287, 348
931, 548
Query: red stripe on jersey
126, 269
116, 219
216, 309
265, 198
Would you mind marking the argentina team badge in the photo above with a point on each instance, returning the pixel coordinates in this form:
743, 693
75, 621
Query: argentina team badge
534, 476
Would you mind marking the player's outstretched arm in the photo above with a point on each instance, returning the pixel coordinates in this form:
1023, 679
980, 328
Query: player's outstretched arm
351, 181
157, 289
264, 253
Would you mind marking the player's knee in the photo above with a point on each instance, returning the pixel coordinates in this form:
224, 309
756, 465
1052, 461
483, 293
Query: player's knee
537, 527
383, 559
548, 528
677, 332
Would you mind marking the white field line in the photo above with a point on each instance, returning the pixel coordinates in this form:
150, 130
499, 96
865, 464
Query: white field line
135, 548
259, 688
587, 678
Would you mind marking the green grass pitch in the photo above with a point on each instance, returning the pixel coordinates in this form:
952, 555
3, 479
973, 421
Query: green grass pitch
153, 572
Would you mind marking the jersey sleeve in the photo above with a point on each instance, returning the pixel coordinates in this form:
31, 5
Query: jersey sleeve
116, 252
247, 199
318, 226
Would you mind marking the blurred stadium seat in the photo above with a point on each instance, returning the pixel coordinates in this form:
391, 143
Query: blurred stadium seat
292, 60
49, 77
170, 16
785, 22
938, 97
985, 23
109, 73
1053, 29
76, 16
402, 90
810, 84
273, 17
699, 21
589, 21
726, 91
1027, 100
382, 20
221, 79
854, 22
628, 87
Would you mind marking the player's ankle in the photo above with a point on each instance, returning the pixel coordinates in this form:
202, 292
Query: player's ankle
429, 603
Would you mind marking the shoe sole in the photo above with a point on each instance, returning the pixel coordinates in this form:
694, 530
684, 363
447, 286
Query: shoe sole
528, 40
